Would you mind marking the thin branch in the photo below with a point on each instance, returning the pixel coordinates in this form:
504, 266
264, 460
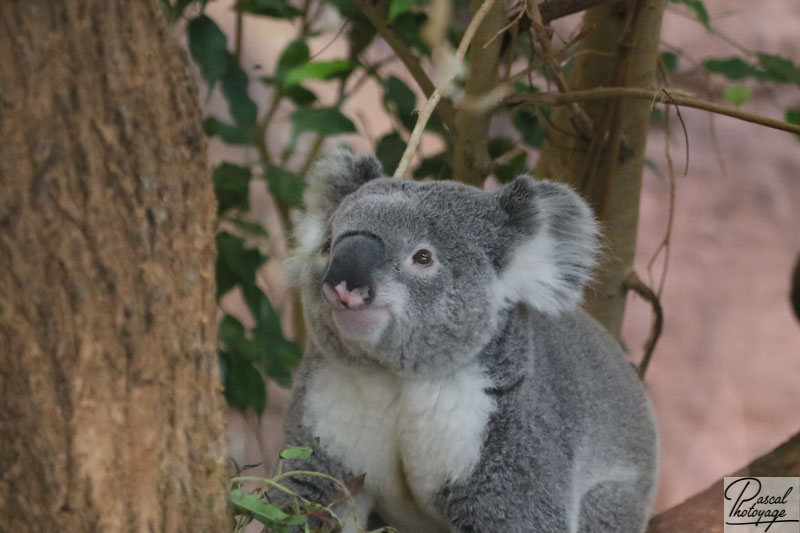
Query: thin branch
666, 242
237, 50
543, 36
654, 95
445, 109
333, 40
556, 9
430, 105
633, 283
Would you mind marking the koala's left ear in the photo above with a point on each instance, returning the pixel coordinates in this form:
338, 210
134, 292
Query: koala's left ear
336, 175
554, 240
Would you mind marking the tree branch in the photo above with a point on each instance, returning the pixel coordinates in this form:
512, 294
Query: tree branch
470, 149
430, 105
703, 512
445, 108
556, 9
654, 95
633, 283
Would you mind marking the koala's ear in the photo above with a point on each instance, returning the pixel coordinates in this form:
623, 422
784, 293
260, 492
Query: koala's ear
336, 175
554, 240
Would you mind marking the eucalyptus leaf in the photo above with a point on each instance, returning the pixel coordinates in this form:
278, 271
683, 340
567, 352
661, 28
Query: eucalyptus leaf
268, 8
285, 186
243, 384
230, 133
323, 120
737, 94
297, 452
295, 54
389, 151
208, 46
234, 88
699, 9
318, 70
232, 186
403, 99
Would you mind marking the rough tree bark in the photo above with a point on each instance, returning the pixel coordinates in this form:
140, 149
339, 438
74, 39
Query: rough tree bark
471, 147
704, 511
609, 174
110, 411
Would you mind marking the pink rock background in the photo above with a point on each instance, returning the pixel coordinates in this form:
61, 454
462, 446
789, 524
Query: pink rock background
725, 379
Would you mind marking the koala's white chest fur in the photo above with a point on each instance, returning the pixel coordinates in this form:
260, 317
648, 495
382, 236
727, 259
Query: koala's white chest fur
410, 436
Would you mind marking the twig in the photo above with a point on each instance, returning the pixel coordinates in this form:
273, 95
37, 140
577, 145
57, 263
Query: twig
655, 95
666, 242
542, 35
506, 157
333, 40
237, 50
445, 110
430, 105
556, 9
633, 283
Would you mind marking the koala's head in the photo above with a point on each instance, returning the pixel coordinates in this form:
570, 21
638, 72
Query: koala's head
413, 276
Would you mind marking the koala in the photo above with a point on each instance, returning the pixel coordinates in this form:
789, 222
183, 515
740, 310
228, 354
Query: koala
449, 361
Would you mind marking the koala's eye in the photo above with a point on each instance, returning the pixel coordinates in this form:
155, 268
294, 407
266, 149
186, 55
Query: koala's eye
423, 258
326, 247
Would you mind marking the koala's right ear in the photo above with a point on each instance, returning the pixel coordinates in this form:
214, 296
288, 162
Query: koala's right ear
336, 175
333, 177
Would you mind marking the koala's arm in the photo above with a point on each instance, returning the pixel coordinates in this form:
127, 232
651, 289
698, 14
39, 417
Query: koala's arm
315, 488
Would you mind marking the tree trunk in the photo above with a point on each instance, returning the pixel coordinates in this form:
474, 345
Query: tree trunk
110, 406
608, 173
471, 150
704, 511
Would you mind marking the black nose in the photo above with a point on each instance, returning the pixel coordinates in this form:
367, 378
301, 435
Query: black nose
353, 262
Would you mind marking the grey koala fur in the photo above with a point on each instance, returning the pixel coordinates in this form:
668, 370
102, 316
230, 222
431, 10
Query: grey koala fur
473, 392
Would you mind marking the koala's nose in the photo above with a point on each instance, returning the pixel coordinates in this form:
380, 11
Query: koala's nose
348, 280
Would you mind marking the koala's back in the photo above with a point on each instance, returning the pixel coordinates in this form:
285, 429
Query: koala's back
572, 434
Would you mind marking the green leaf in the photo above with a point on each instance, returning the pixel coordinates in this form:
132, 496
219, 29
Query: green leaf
229, 133
779, 68
793, 117
436, 167
737, 94
301, 96
516, 166
699, 10
243, 384
670, 60
295, 452
734, 68
208, 46
266, 513
323, 120
234, 88
404, 100
236, 261
231, 186
649, 163
361, 34
268, 8
295, 54
390, 150
527, 124
398, 7
407, 27
318, 70
286, 186
230, 330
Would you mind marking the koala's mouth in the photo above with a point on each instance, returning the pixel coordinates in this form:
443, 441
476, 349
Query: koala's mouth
364, 324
